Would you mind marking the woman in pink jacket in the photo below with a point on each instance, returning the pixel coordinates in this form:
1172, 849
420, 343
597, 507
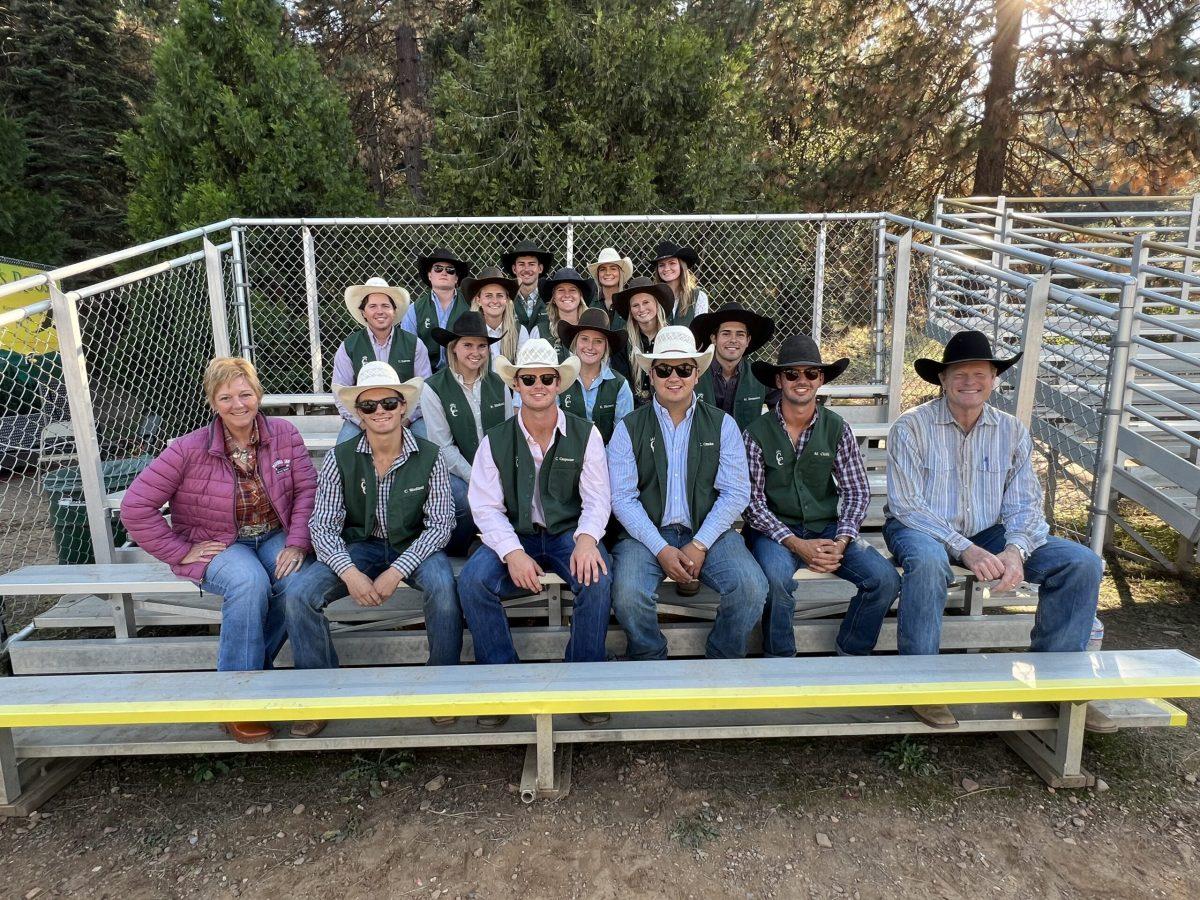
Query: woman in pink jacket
240, 491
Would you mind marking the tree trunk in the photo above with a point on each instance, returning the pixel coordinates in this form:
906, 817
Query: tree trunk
999, 117
408, 93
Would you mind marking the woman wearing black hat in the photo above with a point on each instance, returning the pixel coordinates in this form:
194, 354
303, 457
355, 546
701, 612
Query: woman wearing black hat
568, 294
673, 267
644, 306
460, 403
599, 393
491, 296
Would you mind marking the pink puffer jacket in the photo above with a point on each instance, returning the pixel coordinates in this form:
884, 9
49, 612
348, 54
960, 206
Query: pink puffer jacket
195, 477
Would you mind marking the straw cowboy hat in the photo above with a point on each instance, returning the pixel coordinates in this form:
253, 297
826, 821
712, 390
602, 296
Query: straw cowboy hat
537, 353
526, 248
462, 268
593, 320
966, 346
609, 256
675, 343
642, 285
798, 352
469, 324
378, 374
667, 249
490, 275
356, 293
546, 286
760, 327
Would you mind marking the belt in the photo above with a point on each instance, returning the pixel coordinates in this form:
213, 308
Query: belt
254, 530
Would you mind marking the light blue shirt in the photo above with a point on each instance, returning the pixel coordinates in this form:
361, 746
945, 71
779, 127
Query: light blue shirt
624, 395
409, 322
732, 482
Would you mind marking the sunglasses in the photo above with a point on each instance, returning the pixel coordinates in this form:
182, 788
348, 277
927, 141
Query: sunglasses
389, 404
547, 378
442, 269
808, 374
683, 370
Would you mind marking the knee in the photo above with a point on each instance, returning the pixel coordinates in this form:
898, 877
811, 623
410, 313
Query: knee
753, 585
889, 581
932, 565
251, 587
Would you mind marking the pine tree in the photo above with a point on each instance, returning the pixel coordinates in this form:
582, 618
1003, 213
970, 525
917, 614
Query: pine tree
29, 220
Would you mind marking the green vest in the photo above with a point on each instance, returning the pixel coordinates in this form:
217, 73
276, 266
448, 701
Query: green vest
800, 489
615, 321
604, 410
458, 410
537, 321
703, 459
748, 397
406, 502
562, 469
427, 320
400, 357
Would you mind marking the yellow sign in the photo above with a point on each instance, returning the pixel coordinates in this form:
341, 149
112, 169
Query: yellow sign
35, 334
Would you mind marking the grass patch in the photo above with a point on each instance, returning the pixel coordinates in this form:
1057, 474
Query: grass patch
908, 757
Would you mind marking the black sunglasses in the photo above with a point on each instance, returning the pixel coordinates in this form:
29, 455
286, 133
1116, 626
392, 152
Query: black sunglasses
369, 406
683, 370
548, 378
809, 374
442, 269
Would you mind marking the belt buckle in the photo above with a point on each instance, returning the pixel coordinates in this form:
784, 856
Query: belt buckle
252, 530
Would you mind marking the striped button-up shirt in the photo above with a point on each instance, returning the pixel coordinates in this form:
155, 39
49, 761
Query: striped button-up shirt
953, 484
329, 513
849, 473
343, 371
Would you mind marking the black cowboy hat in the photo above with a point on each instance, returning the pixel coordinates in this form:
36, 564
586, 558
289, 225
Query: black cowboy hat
705, 326
642, 285
462, 268
490, 275
798, 351
567, 275
966, 346
667, 249
592, 319
527, 248
468, 324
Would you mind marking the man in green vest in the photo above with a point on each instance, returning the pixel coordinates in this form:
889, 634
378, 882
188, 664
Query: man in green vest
734, 333
378, 308
808, 497
527, 263
677, 468
539, 493
441, 302
383, 513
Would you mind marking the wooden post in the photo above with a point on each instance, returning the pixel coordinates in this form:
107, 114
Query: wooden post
1036, 297
216, 297
899, 325
10, 776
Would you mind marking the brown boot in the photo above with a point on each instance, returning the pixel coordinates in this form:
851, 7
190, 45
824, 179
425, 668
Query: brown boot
249, 732
308, 729
936, 716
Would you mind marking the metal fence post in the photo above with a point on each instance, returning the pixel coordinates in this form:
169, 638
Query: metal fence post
880, 318
570, 263
314, 323
1036, 297
216, 297
899, 325
1188, 261
241, 295
999, 261
83, 421
818, 313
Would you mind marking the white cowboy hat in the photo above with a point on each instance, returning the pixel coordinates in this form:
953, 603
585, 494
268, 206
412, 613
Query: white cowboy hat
609, 255
378, 374
538, 353
673, 343
356, 292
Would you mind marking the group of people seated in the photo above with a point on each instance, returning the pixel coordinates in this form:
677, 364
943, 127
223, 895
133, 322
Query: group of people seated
610, 430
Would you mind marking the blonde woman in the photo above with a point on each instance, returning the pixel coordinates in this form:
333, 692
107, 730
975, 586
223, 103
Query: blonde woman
599, 394
610, 271
673, 266
491, 295
645, 306
567, 294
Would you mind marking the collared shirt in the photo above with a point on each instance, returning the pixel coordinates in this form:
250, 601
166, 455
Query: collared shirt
252, 507
953, 484
343, 370
725, 389
522, 337
624, 395
486, 495
440, 310
437, 426
849, 474
329, 513
732, 482
529, 302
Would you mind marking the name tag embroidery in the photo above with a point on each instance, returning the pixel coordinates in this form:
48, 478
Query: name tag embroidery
413, 490
707, 444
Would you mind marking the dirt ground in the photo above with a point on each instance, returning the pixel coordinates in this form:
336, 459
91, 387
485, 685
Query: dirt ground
952, 816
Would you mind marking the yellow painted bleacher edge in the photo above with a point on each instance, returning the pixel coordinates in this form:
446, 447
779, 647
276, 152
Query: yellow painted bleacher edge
1179, 718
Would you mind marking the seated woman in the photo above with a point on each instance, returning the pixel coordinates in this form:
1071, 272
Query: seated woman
491, 295
645, 306
567, 294
599, 393
240, 490
610, 271
673, 266
460, 403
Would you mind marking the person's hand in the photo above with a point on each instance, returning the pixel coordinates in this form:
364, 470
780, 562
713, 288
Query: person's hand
695, 556
676, 565
288, 561
1014, 569
361, 588
523, 571
587, 564
986, 566
203, 552
386, 584
819, 554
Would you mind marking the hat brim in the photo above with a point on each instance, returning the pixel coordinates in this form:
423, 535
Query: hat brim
587, 288
462, 268
624, 262
444, 336
930, 369
568, 370
616, 337
410, 390
355, 293
703, 359
659, 291
508, 260
765, 372
687, 254
761, 328
472, 286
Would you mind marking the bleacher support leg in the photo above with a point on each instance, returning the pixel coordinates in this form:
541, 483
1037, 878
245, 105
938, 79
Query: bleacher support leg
10, 776
547, 772
1056, 755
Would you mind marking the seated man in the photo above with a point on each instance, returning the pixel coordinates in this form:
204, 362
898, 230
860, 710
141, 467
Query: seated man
961, 488
803, 460
383, 514
378, 308
539, 493
441, 302
734, 333
678, 473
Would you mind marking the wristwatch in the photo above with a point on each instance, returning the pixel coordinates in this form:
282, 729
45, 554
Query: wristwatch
1021, 551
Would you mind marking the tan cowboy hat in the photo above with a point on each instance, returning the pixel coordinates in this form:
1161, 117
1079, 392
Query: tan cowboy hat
609, 256
538, 353
357, 292
378, 374
675, 343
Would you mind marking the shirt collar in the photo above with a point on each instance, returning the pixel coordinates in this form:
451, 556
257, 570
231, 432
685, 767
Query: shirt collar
381, 344
662, 413
783, 424
943, 416
560, 425
408, 445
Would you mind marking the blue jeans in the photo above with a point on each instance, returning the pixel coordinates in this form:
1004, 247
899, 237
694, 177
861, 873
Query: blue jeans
464, 523
728, 569
484, 582
1068, 575
862, 565
252, 618
308, 629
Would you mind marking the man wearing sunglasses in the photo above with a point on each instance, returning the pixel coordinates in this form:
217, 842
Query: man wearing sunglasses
539, 494
678, 473
441, 302
804, 464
